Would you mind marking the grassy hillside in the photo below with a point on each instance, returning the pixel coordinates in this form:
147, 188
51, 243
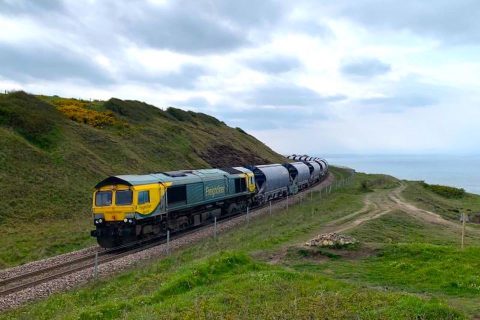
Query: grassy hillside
53, 150
400, 270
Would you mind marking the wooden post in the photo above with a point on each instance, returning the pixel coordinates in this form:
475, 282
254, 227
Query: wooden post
270, 207
463, 229
168, 242
215, 228
287, 201
95, 269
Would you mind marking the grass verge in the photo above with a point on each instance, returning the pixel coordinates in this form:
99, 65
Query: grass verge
228, 279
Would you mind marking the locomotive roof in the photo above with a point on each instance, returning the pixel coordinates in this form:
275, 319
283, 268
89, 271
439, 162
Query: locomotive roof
175, 177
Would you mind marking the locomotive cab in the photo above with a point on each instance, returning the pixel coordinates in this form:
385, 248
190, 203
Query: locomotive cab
113, 203
119, 208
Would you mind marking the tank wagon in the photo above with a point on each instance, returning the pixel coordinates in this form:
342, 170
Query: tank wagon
299, 176
315, 171
272, 181
131, 207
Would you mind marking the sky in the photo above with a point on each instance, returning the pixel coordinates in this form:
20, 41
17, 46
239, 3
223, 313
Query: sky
310, 77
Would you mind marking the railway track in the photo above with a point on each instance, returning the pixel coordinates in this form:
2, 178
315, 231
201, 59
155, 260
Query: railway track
25, 280
18, 282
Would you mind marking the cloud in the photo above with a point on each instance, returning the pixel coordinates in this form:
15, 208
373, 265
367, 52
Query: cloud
399, 103
200, 27
312, 28
288, 95
30, 6
183, 31
364, 68
193, 103
266, 118
453, 22
31, 63
185, 78
274, 65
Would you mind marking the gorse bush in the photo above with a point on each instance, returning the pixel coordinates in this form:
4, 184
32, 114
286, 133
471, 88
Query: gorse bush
77, 110
93, 118
444, 191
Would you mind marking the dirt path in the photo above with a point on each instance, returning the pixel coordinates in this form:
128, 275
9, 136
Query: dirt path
382, 202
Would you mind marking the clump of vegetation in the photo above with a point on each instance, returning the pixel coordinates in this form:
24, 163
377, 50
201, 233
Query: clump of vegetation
193, 117
365, 186
205, 118
78, 111
180, 114
378, 182
135, 111
445, 191
29, 117
241, 130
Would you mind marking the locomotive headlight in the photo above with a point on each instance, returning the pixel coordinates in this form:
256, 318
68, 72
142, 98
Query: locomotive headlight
125, 220
100, 220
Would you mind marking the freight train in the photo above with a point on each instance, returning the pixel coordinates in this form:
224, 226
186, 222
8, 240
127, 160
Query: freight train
127, 208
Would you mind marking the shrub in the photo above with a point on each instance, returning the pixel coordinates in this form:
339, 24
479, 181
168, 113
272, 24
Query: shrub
93, 118
135, 111
77, 110
444, 191
180, 114
364, 186
30, 117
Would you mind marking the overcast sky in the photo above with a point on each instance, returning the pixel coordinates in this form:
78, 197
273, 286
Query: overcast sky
318, 77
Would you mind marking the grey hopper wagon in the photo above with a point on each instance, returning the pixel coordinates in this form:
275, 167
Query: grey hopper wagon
315, 170
299, 176
272, 181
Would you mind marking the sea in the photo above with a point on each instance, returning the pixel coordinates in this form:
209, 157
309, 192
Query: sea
461, 171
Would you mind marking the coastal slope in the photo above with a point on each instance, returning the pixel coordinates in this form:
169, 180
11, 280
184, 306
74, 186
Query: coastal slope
53, 151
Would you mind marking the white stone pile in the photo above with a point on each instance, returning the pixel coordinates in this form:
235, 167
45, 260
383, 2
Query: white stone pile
333, 240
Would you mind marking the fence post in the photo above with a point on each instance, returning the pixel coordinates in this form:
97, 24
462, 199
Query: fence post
248, 218
95, 269
287, 201
168, 242
215, 228
270, 207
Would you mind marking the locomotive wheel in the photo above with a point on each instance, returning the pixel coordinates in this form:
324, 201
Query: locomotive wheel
109, 242
232, 209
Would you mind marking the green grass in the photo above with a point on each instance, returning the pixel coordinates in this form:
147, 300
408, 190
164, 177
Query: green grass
49, 164
445, 191
232, 285
407, 255
229, 278
449, 208
398, 227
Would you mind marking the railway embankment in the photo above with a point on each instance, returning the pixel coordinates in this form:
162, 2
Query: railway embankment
53, 151
39, 279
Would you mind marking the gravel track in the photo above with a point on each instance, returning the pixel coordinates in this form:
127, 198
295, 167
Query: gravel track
69, 281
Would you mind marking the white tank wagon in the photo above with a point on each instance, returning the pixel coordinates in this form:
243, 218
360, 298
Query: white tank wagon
299, 176
272, 181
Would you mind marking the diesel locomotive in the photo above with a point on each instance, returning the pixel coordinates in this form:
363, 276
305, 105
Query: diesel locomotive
127, 208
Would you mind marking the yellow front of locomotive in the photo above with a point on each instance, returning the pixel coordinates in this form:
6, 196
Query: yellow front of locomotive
113, 203
117, 203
